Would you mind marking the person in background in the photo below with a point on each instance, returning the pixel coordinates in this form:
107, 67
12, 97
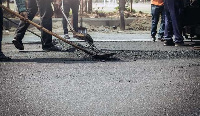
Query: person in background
74, 6
45, 10
157, 11
2, 56
173, 26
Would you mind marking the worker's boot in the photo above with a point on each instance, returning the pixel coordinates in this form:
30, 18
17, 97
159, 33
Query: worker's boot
2, 56
18, 44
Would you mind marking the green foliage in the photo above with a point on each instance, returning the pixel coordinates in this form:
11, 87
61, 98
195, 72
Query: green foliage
117, 8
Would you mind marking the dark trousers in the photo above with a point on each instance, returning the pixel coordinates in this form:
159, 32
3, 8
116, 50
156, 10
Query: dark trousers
157, 12
46, 12
173, 15
75, 7
1, 24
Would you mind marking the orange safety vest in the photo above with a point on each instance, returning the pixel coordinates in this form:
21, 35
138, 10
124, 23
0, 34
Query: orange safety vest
157, 2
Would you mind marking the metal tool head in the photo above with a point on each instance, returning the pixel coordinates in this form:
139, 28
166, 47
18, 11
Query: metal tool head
82, 30
86, 37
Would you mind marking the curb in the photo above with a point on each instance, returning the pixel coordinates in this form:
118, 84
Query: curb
89, 21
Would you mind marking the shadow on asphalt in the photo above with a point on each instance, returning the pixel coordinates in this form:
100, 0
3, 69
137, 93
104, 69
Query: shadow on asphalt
38, 51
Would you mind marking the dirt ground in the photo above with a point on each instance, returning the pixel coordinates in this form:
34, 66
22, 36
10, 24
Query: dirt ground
141, 15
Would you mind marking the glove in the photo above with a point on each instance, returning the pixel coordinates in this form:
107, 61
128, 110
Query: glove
24, 14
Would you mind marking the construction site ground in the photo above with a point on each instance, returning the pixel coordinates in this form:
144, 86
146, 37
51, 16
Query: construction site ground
142, 78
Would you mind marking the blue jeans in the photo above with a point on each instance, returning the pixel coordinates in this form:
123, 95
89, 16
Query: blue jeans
1, 23
156, 12
173, 21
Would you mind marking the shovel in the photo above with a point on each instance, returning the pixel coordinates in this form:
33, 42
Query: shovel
79, 35
82, 29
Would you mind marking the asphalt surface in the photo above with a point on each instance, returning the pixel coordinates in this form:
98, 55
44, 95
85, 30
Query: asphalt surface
143, 78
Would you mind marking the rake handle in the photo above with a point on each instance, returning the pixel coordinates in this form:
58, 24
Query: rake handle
70, 26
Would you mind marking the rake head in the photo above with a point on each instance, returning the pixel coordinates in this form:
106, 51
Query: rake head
86, 37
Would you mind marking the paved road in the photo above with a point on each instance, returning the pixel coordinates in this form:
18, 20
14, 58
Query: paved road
144, 78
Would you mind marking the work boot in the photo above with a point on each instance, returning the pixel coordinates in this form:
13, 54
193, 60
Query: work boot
168, 42
18, 44
52, 48
179, 44
153, 38
3, 57
161, 37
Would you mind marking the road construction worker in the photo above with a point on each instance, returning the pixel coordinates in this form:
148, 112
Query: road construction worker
45, 10
2, 56
173, 26
157, 10
74, 6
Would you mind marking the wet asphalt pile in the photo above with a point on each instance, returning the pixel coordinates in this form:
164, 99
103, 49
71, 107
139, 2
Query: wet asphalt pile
130, 55
123, 51
131, 51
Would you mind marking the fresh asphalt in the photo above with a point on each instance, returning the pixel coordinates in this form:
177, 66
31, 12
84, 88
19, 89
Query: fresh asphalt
144, 78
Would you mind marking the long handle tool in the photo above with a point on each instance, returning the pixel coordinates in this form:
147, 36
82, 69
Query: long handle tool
78, 35
81, 28
82, 36
93, 53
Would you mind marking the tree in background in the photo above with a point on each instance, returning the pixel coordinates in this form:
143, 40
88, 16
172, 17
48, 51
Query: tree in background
89, 6
131, 5
86, 6
121, 12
